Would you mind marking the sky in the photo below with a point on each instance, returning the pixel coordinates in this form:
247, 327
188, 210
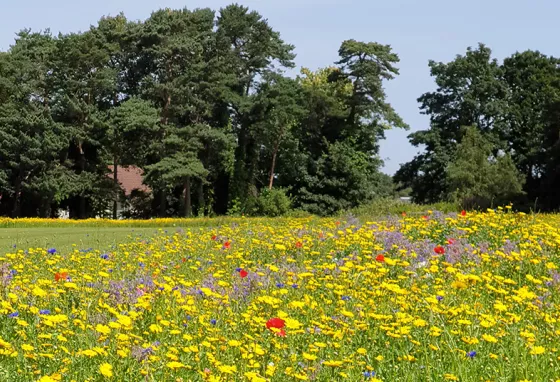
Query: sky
417, 31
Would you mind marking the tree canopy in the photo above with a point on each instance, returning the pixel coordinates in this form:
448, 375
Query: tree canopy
200, 100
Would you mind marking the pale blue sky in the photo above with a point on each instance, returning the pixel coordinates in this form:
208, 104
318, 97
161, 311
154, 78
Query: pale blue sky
417, 30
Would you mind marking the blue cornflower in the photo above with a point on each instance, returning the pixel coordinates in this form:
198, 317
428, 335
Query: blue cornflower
280, 285
213, 321
238, 269
44, 311
51, 251
471, 354
104, 256
13, 315
345, 298
141, 265
369, 374
295, 286
439, 298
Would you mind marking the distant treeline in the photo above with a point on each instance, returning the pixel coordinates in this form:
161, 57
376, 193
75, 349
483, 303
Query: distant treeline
201, 102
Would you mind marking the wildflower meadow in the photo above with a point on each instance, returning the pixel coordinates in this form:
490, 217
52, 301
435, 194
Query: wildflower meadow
457, 297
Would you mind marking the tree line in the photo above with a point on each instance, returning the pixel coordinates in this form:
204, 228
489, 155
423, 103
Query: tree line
494, 134
201, 102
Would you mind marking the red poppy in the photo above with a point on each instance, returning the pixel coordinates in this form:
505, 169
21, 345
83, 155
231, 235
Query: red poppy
450, 241
276, 323
227, 244
60, 276
243, 273
337, 223
213, 237
439, 250
281, 333
424, 217
184, 259
380, 258
463, 213
403, 214
299, 245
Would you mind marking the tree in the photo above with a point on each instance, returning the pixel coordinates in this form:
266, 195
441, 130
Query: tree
346, 115
277, 111
130, 129
533, 84
31, 141
469, 93
180, 167
479, 179
251, 48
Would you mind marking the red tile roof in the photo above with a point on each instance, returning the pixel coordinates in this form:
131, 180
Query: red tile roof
130, 178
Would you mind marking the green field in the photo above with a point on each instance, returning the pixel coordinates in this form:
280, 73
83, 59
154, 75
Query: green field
67, 238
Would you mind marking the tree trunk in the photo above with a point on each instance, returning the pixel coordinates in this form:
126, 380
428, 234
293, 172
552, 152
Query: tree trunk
82, 210
201, 199
17, 195
164, 121
273, 165
162, 203
187, 196
116, 181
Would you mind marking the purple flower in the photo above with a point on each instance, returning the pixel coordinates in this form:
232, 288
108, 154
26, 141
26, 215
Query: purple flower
439, 298
104, 256
213, 321
280, 285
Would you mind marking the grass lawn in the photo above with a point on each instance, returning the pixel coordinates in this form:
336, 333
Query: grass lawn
64, 238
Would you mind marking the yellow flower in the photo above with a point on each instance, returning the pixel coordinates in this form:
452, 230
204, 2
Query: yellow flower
332, 363
537, 350
227, 369
489, 338
309, 357
103, 329
47, 378
175, 365
106, 370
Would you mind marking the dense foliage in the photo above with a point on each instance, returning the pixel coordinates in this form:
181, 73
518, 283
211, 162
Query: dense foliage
199, 100
508, 115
